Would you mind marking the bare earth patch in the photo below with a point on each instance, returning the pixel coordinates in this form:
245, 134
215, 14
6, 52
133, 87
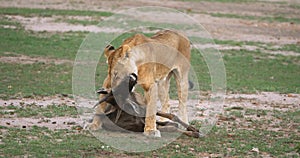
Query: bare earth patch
220, 28
51, 123
50, 24
23, 59
247, 47
264, 110
263, 101
40, 101
258, 8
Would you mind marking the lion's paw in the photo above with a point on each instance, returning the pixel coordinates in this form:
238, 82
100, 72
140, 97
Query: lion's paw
92, 126
152, 133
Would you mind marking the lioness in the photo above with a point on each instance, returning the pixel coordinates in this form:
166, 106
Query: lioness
154, 60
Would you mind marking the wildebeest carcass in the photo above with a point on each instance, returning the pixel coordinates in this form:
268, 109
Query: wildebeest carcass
127, 111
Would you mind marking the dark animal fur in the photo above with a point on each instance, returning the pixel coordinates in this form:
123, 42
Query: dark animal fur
127, 111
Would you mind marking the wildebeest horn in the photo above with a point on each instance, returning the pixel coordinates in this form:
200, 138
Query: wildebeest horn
133, 76
102, 91
110, 47
103, 99
132, 81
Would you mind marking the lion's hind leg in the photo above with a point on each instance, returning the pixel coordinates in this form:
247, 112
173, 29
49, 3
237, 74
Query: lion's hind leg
163, 95
182, 85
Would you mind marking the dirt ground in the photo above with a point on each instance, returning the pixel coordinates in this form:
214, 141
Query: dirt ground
222, 28
269, 101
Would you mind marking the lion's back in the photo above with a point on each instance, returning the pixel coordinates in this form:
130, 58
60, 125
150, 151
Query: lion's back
170, 38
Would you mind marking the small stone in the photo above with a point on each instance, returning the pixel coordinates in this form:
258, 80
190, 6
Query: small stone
255, 150
79, 128
71, 123
258, 115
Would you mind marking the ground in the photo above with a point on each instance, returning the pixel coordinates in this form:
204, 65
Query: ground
259, 42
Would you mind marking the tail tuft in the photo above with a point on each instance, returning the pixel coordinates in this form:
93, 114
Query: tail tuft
191, 85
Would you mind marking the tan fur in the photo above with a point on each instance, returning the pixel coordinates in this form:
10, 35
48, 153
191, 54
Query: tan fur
153, 77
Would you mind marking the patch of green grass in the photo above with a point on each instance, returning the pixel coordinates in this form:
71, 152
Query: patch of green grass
257, 112
249, 71
33, 110
259, 45
82, 22
41, 142
259, 18
287, 117
291, 47
201, 70
40, 44
295, 6
6, 21
50, 12
250, 111
238, 43
245, 73
236, 113
222, 141
261, 112
298, 148
18, 80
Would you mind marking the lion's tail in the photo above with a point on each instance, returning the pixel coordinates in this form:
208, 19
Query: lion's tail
191, 85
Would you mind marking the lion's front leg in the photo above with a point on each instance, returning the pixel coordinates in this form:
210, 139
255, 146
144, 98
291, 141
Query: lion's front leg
100, 109
163, 95
96, 122
150, 120
182, 91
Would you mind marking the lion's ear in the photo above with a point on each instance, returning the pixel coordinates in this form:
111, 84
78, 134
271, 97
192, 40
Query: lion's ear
126, 50
108, 50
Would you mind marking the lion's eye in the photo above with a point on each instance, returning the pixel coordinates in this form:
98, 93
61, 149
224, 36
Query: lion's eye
115, 73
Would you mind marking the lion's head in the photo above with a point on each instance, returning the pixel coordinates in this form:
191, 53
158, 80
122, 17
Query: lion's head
120, 64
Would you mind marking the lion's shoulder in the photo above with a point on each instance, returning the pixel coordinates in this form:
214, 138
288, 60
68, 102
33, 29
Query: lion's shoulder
136, 40
168, 37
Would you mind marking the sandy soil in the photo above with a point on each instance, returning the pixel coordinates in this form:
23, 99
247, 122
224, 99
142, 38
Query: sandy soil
262, 101
220, 28
257, 9
23, 59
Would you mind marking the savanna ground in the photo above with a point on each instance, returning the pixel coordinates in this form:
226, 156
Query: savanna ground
259, 41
